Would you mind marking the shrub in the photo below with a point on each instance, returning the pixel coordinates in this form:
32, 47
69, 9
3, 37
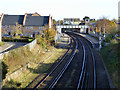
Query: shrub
12, 84
4, 70
17, 40
2, 43
109, 37
114, 41
41, 41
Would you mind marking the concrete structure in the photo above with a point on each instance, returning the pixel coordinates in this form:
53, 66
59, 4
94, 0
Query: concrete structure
30, 24
71, 21
79, 28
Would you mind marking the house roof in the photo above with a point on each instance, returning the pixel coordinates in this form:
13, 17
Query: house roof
12, 19
36, 20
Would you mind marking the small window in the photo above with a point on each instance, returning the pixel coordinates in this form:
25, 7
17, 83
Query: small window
27, 28
14, 26
31, 28
3, 26
38, 33
40, 28
8, 26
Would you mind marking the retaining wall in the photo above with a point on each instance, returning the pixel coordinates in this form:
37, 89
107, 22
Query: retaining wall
31, 45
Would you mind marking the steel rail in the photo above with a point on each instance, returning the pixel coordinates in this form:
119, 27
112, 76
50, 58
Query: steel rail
52, 69
64, 69
83, 65
93, 66
94, 69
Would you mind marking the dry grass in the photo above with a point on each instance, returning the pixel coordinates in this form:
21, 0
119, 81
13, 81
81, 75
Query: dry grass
39, 62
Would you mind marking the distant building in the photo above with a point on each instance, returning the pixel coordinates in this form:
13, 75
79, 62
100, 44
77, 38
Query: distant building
86, 19
71, 21
30, 24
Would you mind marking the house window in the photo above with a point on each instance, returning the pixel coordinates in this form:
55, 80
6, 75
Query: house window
40, 28
18, 27
27, 28
31, 28
3, 26
14, 26
27, 34
8, 26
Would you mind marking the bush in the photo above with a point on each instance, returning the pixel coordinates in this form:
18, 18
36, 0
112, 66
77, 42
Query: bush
17, 40
12, 84
41, 42
2, 43
114, 41
4, 70
109, 37
52, 42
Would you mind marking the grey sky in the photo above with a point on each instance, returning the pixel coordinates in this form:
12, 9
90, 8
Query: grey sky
60, 9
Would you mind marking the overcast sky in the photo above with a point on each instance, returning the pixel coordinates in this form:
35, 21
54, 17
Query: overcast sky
60, 9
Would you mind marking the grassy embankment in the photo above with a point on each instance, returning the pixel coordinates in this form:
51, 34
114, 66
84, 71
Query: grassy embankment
2, 43
111, 56
38, 60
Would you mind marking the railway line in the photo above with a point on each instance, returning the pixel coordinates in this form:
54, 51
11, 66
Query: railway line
77, 68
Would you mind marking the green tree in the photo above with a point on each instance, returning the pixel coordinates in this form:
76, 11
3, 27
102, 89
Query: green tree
17, 30
109, 25
54, 21
4, 69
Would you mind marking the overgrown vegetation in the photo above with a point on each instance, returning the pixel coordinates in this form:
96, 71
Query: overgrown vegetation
109, 25
4, 69
111, 56
14, 39
47, 39
2, 43
17, 58
12, 84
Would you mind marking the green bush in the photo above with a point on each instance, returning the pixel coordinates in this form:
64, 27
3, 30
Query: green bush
17, 40
12, 84
52, 42
4, 70
109, 37
41, 42
2, 43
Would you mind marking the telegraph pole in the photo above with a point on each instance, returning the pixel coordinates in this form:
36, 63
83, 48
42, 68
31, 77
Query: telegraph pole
104, 35
100, 40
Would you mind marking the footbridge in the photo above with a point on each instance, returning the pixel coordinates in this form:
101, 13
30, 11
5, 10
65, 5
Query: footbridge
77, 28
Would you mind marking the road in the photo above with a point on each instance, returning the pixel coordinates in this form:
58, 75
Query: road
81, 67
11, 45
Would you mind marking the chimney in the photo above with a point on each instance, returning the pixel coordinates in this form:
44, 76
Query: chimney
24, 19
1, 26
50, 21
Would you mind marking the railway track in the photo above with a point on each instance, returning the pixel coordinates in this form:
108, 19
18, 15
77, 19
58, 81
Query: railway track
51, 79
80, 66
77, 68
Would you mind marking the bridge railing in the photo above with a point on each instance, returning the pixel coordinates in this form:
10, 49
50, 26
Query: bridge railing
72, 26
